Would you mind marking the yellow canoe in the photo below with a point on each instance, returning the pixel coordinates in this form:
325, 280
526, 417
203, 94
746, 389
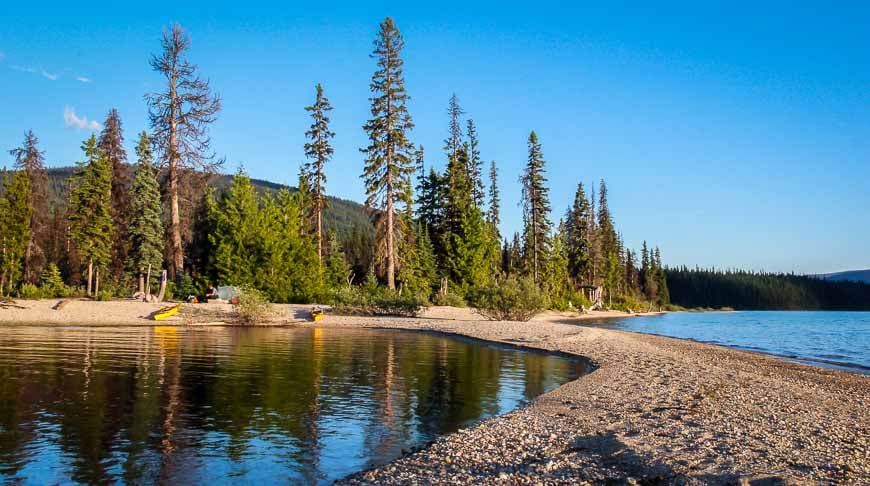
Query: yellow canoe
317, 314
167, 312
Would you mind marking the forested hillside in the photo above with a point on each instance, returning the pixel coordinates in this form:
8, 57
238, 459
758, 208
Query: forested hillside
763, 291
340, 216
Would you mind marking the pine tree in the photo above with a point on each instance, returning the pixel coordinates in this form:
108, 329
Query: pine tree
337, 268
454, 141
389, 161
111, 143
608, 243
180, 117
91, 220
146, 224
664, 297
579, 227
536, 209
319, 152
474, 166
494, 213
31, 160
15, 223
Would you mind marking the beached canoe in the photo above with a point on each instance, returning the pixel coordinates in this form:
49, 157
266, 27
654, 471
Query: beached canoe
167, 312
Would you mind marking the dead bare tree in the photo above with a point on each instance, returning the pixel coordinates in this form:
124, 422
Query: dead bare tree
180, 117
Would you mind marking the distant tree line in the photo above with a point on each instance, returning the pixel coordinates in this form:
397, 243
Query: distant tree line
763, 291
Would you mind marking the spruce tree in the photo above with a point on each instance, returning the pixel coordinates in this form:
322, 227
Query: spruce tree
15, 223
31, 160
179, 117
664, 297
454, 141
318, 151
536, 210
474, 166
146, 224
91, 220
493, 215
579, 227
111, 143
389, 154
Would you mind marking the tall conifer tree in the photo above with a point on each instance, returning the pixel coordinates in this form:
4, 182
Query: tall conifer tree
146, 224
15, 222
389, 163
111, 143
318, 151
91, 220
494, 213
579, 227
474, 166
180, 116
536, 209
31, 160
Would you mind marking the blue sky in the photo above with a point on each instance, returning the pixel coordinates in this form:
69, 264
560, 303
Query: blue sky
734, 135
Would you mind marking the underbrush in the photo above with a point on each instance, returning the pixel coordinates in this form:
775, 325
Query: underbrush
375, 301
253, 307
512, 299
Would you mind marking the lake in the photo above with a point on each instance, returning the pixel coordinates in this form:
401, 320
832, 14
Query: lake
200, 405
823, 338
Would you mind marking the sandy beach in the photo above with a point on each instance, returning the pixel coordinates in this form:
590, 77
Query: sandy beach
655, 410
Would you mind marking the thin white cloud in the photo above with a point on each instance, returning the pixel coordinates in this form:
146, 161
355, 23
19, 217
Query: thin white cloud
42, 72
23, 69
71, 120
84, 79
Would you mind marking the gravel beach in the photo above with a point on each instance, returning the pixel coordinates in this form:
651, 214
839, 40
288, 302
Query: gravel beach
655, 409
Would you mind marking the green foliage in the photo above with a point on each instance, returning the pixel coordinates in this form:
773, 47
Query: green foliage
513, 299
389, 163
15, 214
337, 269
371, 300
451, 299
146, 226
90, 204
51, 282
536, 210
253, 307
29, 291
259, 244
104, 295
710, 288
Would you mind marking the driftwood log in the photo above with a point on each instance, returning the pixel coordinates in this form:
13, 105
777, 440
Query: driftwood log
61, 304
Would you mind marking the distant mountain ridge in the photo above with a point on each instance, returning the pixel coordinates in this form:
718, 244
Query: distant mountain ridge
340, 216
848, 276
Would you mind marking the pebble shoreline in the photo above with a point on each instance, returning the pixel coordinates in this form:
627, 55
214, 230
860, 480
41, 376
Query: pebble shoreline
655, 411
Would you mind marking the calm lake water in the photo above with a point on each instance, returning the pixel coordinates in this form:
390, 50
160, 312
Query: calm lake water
183, 406
831, 339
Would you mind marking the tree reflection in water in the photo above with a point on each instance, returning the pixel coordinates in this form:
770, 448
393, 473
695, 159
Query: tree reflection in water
199, 404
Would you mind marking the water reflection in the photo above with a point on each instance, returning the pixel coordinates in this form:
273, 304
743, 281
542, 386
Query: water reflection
196, 405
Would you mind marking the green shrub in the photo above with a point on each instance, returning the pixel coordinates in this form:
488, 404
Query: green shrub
368, 300
51, 282
30, 291
512, 299
104, 295
253, 307
449, 299
569, 301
